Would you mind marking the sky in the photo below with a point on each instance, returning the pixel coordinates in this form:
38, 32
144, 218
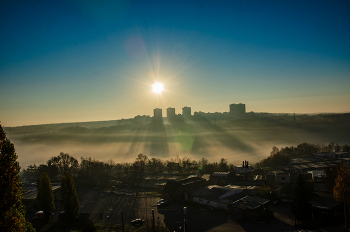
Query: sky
75, 61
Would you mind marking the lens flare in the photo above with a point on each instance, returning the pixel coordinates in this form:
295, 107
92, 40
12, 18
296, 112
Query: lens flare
157, 87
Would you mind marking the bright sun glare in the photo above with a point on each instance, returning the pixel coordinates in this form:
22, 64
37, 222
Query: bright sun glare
157, 87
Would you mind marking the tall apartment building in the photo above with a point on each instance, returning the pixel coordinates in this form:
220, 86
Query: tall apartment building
186, 112
157, 114
170, 112
237, 110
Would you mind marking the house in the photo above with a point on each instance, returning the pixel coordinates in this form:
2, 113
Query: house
221, 178
249, 207
174, 189
243, 170
326, 209
206, 177
215, 196
270, 179
335, 155
259, 180
282, 179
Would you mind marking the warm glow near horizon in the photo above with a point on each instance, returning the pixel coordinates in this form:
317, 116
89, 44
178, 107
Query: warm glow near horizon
158, 87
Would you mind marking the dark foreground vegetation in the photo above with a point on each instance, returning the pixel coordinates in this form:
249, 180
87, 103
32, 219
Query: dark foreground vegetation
12, 210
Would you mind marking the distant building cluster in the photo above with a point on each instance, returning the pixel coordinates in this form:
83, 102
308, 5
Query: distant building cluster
186, 112
170, 112
237, 111
157, 114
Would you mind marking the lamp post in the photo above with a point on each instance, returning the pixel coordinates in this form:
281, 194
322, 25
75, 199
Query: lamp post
185, 219
153, 222
245, 166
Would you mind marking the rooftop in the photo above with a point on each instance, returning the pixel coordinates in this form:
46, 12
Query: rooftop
31, 191
249, 202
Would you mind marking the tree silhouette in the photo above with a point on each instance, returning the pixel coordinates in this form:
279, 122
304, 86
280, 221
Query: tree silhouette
64, 162
45, 196
330, 176
69, 196
341, 189
12, 210
301, 194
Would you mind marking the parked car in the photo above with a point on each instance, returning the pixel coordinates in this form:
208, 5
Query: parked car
62, 216
40, 215
276, 202
137, 221
162, 203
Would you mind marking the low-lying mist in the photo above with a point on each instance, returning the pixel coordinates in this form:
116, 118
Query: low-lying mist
209, 140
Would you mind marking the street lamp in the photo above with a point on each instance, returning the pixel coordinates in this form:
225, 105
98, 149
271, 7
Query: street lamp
185, 219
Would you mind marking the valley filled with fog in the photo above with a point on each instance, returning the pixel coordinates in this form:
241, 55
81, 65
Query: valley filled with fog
122, 140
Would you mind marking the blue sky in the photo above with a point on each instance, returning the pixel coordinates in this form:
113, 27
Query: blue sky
68, 61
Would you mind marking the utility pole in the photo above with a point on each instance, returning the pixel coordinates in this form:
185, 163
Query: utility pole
185, 219
345, 218
245, 166
122, 221
153, 223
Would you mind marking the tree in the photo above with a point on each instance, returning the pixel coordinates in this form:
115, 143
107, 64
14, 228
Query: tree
64, 162
223, 165
45, 196
341, 188
301, 196
12, 210
330, 176
265, 192
139, 167
346, 148
69, 196
31, 173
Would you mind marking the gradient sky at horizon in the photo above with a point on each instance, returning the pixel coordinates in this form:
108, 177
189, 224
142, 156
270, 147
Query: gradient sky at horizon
74, 61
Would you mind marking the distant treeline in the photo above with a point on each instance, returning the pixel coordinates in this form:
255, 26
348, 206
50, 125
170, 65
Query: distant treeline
90, 172
284, 155
251, 119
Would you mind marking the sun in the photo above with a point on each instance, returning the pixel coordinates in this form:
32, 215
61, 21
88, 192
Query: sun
158, 87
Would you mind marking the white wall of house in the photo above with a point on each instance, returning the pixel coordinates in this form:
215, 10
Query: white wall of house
223, 205
243, 170
206, 202
282, 179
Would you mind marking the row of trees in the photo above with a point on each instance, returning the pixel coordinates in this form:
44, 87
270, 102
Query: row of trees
91, 172
284, 155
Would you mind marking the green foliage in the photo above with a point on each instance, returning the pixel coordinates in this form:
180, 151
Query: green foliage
64, 162
12, 210
29, 227
69, 196
264, 192
2, 134
88, 225
45, 196
342, 184
92, 172
301, 196
331, 174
